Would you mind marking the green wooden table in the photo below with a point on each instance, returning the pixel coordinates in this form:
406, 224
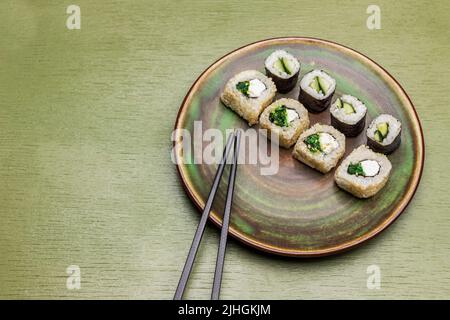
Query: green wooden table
85, 172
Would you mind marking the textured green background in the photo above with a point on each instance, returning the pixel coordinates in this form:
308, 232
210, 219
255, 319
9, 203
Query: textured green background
85, 171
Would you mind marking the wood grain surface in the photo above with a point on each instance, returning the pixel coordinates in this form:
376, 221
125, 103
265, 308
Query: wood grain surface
85, 172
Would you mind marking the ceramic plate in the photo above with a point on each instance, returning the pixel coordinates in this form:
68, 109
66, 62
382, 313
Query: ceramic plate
298, 211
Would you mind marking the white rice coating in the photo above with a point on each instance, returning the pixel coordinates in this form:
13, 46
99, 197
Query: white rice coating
287, 136
395, 127
269, 63
360, 186
352, 118
308, 78
318, 160
248, 108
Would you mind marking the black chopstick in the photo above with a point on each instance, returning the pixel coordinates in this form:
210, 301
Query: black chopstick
202, 224
226, 221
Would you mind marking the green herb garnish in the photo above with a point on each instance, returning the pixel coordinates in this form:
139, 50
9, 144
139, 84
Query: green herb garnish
313, 142
355, 169
243, 87
279, 116
282, 64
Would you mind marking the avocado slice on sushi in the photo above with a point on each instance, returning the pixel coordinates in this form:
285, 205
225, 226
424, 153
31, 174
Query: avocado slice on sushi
279, 64
287, 66
382, 131
320, 85
378, 136
315, 84
348, 108
282, 64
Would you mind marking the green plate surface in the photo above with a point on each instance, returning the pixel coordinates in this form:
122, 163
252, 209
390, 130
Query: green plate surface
298, 211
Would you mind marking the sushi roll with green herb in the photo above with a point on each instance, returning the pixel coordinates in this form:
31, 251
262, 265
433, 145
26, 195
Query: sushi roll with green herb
384, 134
316, 90
320, 147
287, 119
363, 173
284, 69
248, 93
348, 115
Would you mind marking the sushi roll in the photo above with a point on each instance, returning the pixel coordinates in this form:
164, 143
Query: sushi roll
316, 90
363, 173
384, 134
348, 115
320, 147
284, 69
286, 118
248, 93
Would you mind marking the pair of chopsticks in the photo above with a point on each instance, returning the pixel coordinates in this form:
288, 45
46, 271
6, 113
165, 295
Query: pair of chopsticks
233, 139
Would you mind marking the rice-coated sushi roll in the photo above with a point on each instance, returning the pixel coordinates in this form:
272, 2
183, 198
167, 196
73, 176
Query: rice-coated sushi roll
316, 90
348, 115
320, 147
286, 118
384, 134
363, 173
284, 69
248, 93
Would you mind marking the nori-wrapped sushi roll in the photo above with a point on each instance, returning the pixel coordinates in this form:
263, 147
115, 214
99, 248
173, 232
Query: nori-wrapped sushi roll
384, 134
316, 90
284, 69
348, 115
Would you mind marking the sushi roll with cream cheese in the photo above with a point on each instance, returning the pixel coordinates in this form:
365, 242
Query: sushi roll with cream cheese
286, 118
384, 134
363, 173
320, 147
248, 93
316, 90
348, 115
284, 69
